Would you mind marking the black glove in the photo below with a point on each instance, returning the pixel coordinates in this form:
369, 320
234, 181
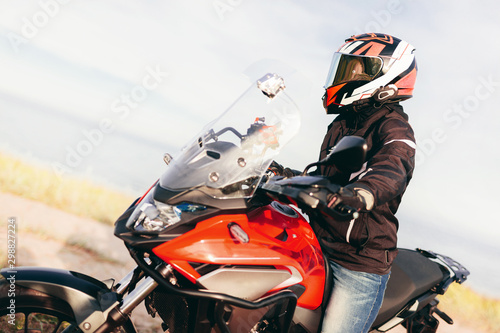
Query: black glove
354, 195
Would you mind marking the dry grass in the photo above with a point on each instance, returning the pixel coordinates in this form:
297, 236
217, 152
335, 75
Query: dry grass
72, 195
470, 308
89, 200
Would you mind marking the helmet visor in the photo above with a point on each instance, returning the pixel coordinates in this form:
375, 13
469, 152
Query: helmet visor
348, 67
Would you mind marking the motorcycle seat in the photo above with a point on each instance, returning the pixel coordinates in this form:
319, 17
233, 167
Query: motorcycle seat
412, 275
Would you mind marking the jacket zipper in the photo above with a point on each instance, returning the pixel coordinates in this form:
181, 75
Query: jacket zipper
349, 230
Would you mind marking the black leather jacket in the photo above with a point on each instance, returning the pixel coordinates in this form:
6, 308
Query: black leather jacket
369, 243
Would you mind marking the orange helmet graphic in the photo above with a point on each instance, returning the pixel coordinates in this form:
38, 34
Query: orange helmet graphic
372, 65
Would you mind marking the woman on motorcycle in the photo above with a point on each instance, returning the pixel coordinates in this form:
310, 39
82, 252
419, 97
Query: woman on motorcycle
369, 75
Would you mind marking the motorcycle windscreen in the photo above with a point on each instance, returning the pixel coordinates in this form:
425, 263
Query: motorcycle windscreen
232, 153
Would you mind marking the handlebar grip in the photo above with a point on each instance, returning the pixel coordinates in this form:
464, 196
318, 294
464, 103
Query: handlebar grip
348, 210
339, 207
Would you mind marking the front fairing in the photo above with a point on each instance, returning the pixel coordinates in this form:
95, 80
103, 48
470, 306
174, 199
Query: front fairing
222, 166
228, 157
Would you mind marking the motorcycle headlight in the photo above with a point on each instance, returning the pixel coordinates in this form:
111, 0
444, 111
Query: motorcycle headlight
154, 216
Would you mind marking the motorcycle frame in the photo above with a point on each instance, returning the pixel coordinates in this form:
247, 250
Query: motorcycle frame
222, 299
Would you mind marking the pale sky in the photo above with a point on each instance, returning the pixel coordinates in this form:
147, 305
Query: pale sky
81, 59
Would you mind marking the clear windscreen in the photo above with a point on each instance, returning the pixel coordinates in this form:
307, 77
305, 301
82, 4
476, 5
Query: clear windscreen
228, 158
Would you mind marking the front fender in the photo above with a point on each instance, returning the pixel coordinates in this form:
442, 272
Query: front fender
90, 299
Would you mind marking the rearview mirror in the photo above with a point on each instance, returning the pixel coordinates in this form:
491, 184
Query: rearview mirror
347, 156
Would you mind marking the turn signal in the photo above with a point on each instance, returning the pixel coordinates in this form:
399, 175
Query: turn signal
238, 233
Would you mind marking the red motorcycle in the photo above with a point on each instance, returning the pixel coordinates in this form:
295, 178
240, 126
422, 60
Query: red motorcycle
221, 246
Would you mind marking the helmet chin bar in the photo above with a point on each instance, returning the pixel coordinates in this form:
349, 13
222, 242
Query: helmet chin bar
381, 96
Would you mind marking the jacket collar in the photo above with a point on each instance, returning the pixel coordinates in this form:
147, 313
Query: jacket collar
369, 114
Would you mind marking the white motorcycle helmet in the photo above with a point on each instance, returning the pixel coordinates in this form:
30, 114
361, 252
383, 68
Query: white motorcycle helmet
373, 65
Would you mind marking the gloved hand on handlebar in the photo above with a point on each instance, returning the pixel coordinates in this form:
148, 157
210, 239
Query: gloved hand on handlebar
354, 195
278, 170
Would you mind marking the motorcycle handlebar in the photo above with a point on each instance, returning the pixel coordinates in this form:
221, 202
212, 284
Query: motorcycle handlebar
313, 194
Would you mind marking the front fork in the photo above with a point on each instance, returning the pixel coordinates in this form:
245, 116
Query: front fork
132, 295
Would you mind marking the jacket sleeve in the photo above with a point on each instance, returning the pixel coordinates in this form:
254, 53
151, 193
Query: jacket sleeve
390, 167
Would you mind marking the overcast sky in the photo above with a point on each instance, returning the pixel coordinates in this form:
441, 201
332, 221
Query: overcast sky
158, 70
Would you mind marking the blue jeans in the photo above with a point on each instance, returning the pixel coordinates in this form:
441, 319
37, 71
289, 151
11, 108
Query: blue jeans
355, 300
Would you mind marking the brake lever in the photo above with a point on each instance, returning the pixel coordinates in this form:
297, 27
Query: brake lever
341, 208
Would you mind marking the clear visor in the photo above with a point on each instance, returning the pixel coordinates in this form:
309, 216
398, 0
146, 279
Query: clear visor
347, 67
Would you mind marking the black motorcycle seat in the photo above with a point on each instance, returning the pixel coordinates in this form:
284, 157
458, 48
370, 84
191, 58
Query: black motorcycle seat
412, 275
